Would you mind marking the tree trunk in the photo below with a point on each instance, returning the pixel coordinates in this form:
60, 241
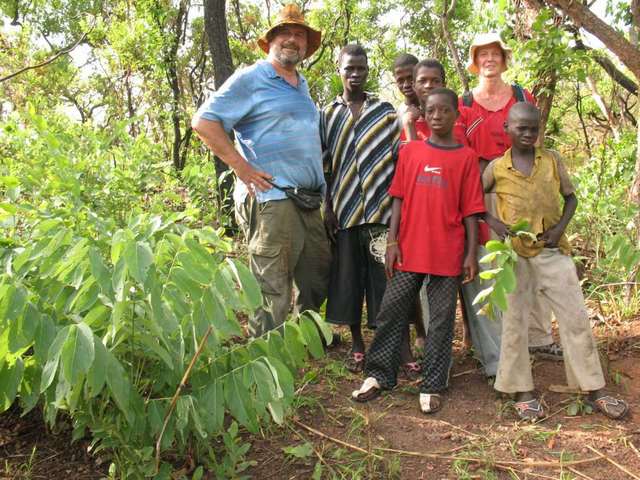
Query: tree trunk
215, 25
545, 91
606, 111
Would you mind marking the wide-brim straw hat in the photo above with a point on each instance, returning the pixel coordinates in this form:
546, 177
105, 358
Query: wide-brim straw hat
291, 15
482, 40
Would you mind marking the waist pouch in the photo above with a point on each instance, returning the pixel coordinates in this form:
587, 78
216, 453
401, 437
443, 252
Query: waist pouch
303, 198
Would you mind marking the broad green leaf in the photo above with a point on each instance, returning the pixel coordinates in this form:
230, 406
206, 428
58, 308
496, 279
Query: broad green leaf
182, 413
162, 312
44, 337
156, 348
217, 316
194, 269
521, 225
261, 376
495, 246
85, 298
213, 404
10, 378
489, 274
482, 295
508, 278
53, 358
138, 257
119, 279
237, 398
77, 353
201, 254
499, 297
294, 343
97, 374
119, 386
100, 272
118, 243
248, 283
30, 386
13, 303
322, 325
226, 288
22, 331
304, 450
97, 316
194, 410
311, 337
488, 258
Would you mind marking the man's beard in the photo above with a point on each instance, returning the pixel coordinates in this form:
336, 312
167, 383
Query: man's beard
288, 59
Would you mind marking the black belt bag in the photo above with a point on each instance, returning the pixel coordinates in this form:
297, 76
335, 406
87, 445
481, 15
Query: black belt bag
303, 198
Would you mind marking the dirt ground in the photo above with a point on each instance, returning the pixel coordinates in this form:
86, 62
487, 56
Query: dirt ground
475, 435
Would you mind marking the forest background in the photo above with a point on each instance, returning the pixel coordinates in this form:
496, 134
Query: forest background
121, 275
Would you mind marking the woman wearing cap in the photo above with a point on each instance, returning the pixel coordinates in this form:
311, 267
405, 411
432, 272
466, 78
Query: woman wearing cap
490, 102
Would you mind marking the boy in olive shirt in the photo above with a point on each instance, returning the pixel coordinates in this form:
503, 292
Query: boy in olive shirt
528, 182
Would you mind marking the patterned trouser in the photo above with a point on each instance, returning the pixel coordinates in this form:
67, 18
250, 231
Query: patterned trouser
383, 357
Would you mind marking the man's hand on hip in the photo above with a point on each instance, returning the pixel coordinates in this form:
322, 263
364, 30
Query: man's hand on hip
252, 178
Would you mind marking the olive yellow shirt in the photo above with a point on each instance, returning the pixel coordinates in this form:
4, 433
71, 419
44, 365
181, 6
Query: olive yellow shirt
536, 198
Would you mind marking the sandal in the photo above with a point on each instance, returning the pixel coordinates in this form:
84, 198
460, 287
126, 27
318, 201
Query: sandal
530, 410
411, 371
430, 402
553, 351
369, 390
355, 362
609, 406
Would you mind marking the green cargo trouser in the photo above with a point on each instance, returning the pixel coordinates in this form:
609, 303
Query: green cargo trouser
286, 245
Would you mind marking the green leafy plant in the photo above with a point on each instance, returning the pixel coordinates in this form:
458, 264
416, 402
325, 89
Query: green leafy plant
129, 322
502, 277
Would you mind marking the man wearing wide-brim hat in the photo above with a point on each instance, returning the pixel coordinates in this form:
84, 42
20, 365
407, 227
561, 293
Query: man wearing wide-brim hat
268, 107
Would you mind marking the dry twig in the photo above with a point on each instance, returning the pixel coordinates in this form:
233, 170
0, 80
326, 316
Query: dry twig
614, 463
174, 400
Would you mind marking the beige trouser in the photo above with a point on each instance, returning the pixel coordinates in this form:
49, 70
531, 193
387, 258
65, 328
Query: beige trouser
552, 275
287, 244
540, 314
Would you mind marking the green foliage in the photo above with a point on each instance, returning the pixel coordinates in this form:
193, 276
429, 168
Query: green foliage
502, 277
104, 305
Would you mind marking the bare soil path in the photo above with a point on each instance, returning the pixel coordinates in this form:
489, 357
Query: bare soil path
475, 435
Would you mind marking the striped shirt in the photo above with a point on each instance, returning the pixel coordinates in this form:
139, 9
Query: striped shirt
359, 159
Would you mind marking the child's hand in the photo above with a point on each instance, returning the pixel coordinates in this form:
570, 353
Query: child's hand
469, 268
392, 256
410, 116
551, 236
498, 226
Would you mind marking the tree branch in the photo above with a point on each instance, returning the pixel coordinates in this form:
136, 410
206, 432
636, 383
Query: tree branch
614, 41
64, 51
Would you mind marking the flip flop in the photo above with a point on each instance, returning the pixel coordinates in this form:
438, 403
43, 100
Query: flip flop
369, 390
355, 362
530, 410
430, 402
609, 406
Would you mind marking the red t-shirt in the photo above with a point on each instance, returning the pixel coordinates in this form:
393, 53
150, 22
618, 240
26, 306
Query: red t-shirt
439, 186
485, 132
466, 118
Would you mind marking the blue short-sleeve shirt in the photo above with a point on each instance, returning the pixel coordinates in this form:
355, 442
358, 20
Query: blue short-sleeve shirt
276, 124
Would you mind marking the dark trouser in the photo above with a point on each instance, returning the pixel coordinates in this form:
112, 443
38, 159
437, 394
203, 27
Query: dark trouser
355, 273
287, 244
383, 357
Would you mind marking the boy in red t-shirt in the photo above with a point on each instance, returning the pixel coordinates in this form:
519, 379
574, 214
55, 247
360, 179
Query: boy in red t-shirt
428, 75
433, 237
